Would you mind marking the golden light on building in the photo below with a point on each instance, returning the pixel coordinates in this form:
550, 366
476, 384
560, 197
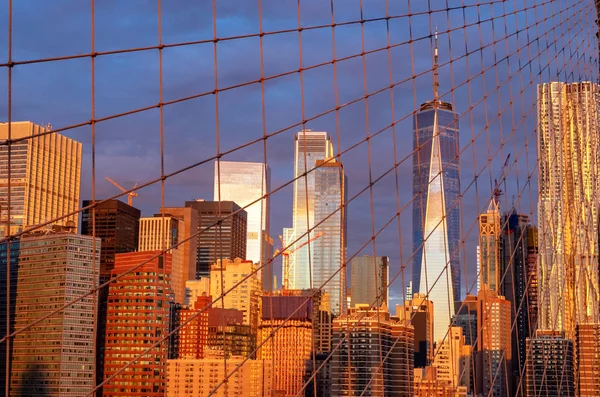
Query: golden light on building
489, 247
45, 175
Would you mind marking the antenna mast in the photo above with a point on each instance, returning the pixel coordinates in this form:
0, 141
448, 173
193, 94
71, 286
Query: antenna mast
436, 82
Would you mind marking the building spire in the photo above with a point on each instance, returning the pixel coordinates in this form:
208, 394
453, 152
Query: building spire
436, 82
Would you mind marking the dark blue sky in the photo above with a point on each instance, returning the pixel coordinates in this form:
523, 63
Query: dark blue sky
546, 40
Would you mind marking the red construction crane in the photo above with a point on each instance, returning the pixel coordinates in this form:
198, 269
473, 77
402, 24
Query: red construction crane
499, 180
285, 254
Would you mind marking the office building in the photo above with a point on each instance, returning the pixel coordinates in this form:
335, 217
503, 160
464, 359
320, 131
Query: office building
450, 359
365, 335
436, 185
125, 338
370, 278
187, 226
466, 318
517, 285
195, 289
587, 359
45, 176
489, 247
419, 312
568, 149
222, 233
225, 276
162, 232
117, 224
310, 146
289, 346
550, 365
494, 344
248, 184
56, 356
329, 250
14, 267
196, 377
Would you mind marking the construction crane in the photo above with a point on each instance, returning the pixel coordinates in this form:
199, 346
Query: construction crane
285, 253
499, 180
130, 195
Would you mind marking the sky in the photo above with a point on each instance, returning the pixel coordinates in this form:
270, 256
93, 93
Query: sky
491, 60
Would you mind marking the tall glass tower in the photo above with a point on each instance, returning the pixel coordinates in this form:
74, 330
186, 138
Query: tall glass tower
436, 140
568, 202
310, 146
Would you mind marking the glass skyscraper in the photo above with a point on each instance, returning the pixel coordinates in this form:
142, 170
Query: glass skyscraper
310, 146
245, 183
569, 182
436, 119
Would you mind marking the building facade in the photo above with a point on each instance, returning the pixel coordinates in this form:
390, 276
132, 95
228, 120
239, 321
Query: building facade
134, 324
196, 377
329, 250
187, 226
162, 233
436, 185
45, 173
419, 311
56, 356
550, 365
365, 336
370, 278
248, 184
568, 203
489, 247
587, 377
310, 146
222, 233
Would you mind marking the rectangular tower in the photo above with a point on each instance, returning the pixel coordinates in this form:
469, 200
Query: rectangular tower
310, 146
246, 184
370, 278
188, 226
489, 247
550, 365
568, 202
160, 233
222, 233
56, 356
45, 174
125, 338
329, 250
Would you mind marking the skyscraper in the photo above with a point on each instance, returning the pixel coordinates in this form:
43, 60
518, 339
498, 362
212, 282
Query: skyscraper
45, 176
365, 335
221, 233
436, 185
125, 337
587, 359
310, 146
489, 247
160, 233
245, 183
329, 250
370, 278
56, 356
188, 225
419, 311
568, 203
118, 225
550, 365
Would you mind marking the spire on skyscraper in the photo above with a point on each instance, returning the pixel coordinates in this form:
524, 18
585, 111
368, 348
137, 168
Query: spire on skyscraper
436, 82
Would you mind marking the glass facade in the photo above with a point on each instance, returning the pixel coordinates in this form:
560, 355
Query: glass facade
310, 147
244, 183
329, 250
442, 119
569, 160
438, 139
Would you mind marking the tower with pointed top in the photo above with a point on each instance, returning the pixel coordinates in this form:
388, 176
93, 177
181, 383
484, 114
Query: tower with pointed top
436, 209
489, 247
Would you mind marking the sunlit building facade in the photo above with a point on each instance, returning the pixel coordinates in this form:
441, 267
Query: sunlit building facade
310, 146
370, 278
489, 247
569, 183
436, 185
56, 356
134, 325
587, 341
245, 183
202, 377
45, 176
436, 177
419, 311
159, 233
550, 368
329, 250
188, 245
